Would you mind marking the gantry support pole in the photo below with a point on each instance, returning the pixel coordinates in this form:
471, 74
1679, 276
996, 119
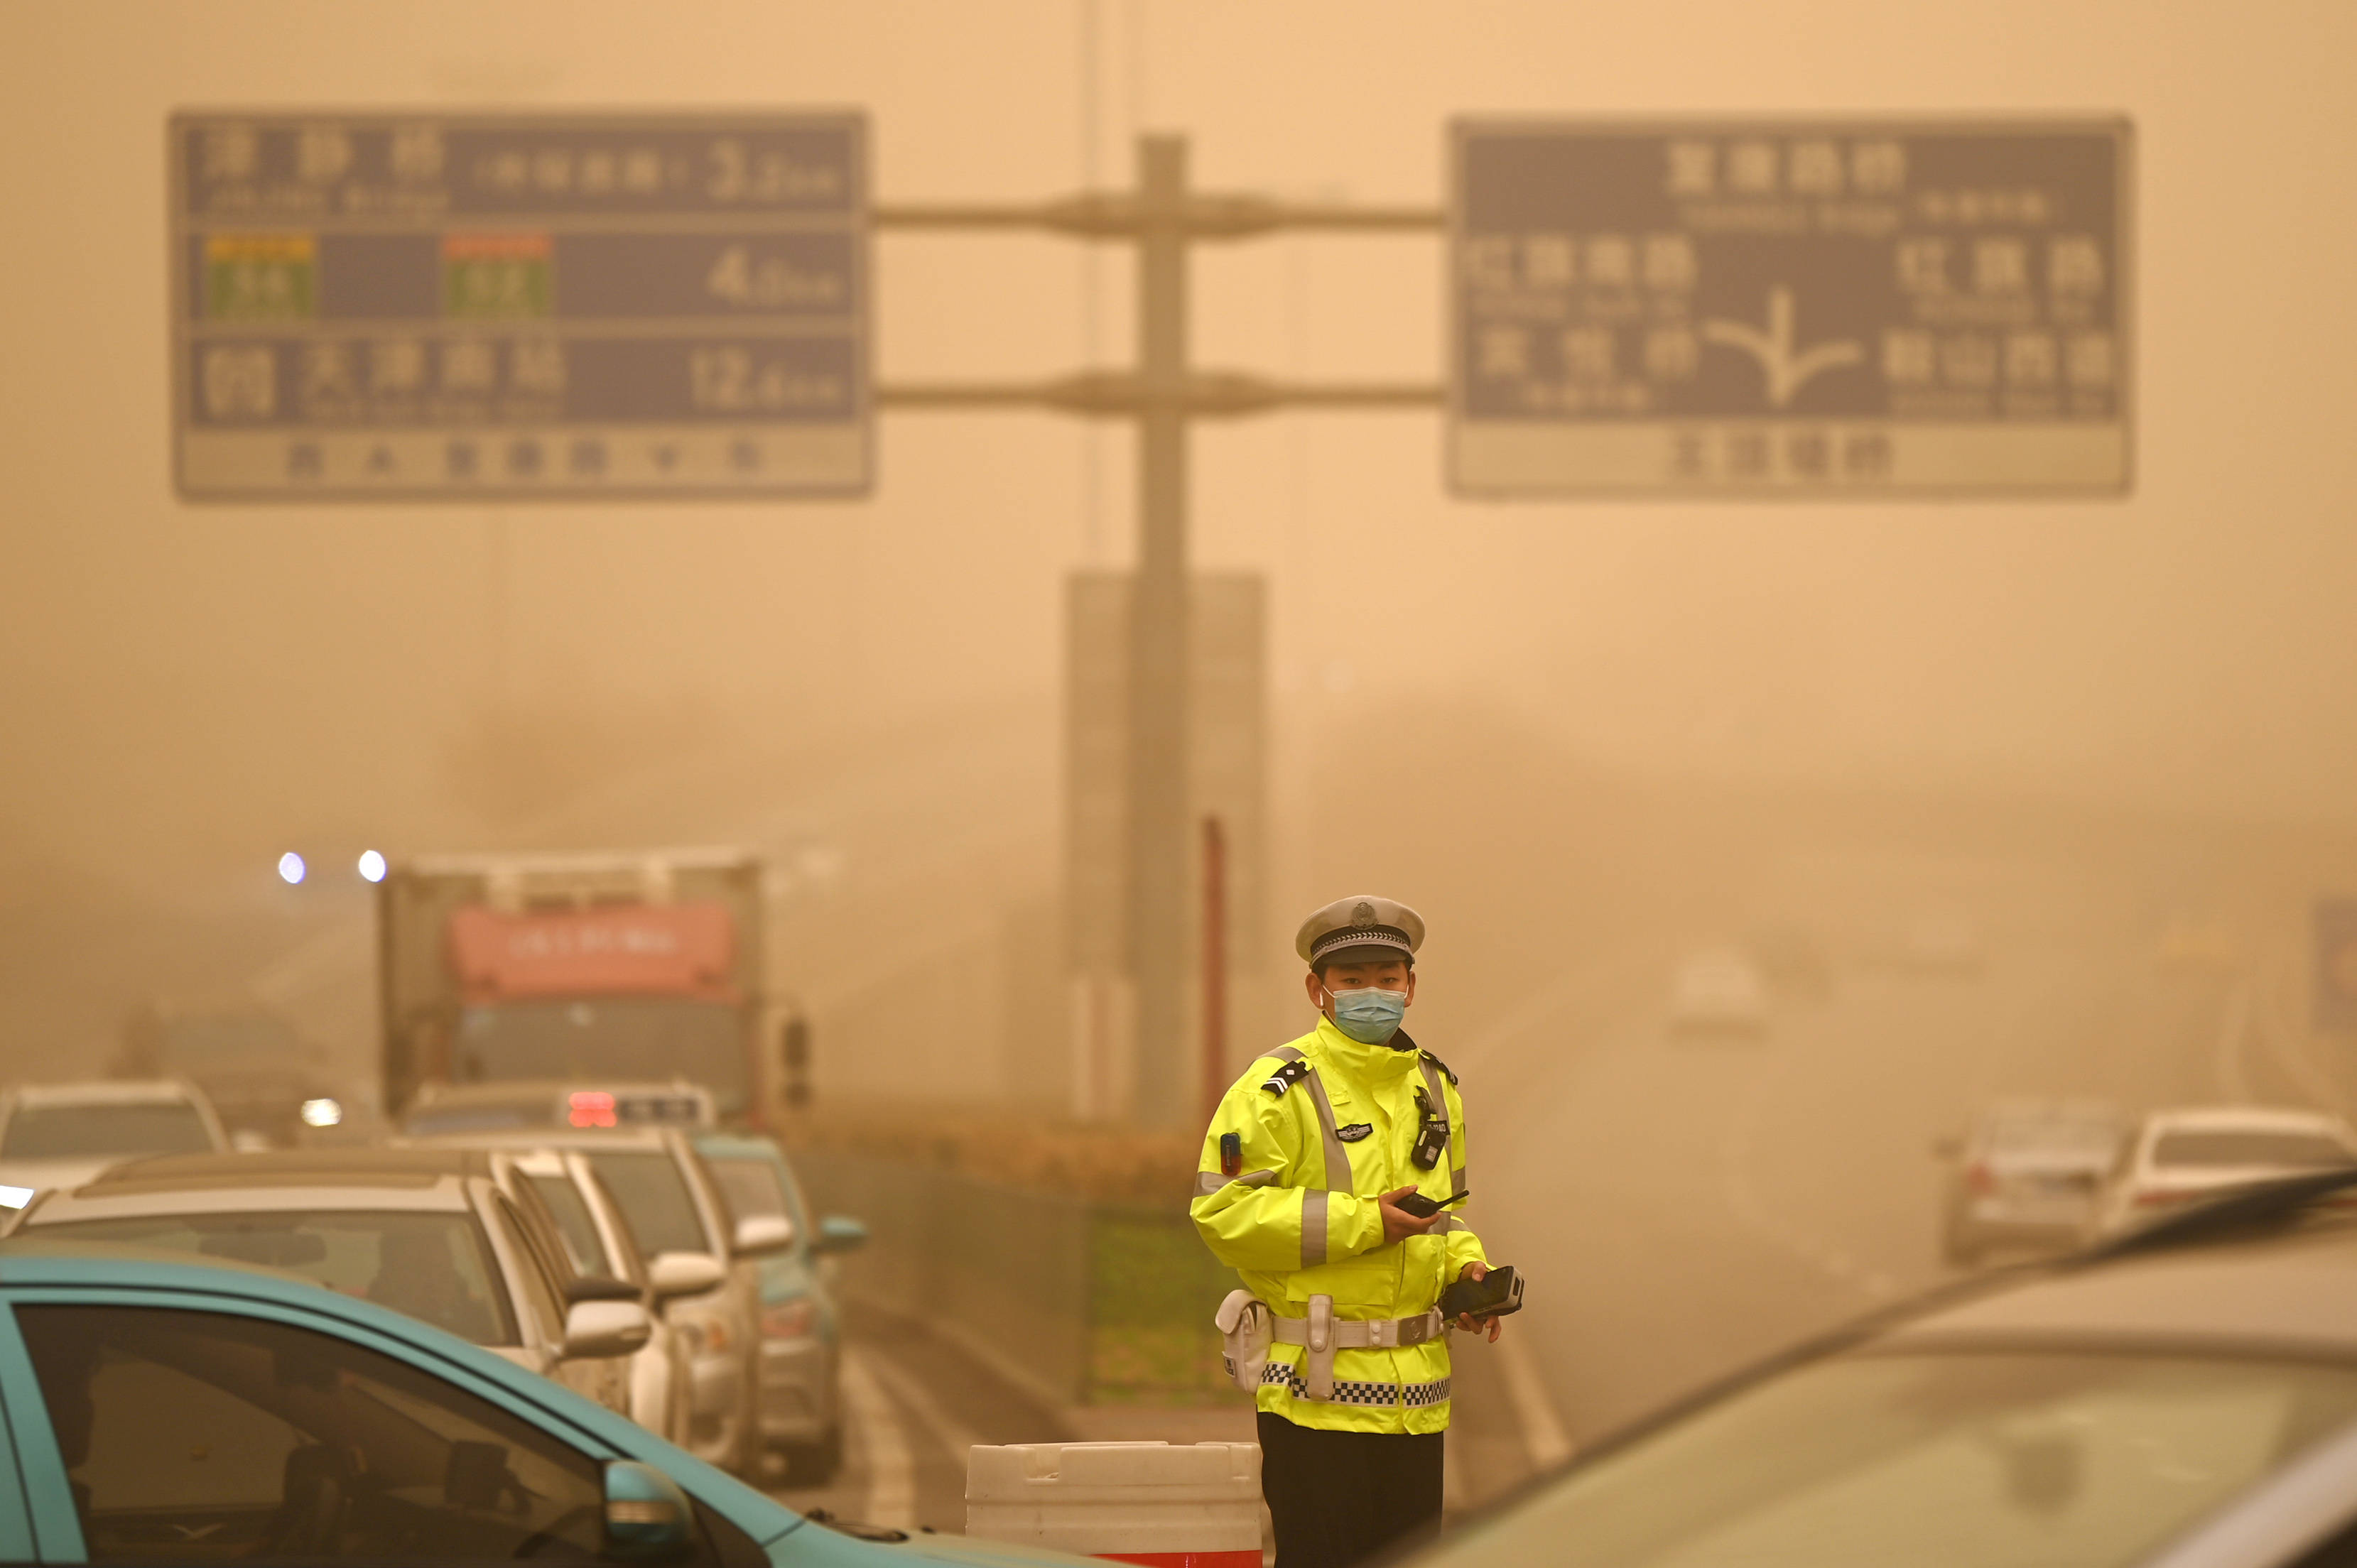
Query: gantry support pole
1162, 395
1159, 842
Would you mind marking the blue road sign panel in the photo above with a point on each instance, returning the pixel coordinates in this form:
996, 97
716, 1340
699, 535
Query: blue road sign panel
1790, 307
456, 306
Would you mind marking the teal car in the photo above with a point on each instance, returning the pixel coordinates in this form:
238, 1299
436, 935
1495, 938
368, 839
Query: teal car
802, 1403
160, 1411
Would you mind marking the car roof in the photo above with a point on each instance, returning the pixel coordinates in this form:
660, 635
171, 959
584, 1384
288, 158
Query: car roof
106, 1091
2244, 1117
736, 1145
134, 1201
2289, 1293
516, 1139
389, 1168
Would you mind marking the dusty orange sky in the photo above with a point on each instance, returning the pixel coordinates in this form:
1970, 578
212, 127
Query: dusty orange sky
182, 687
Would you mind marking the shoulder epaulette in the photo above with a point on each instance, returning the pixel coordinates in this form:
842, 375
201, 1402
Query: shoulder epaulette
1442, 1066
1286, 1077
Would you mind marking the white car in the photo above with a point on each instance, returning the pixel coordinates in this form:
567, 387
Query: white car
455, 1238
1718, 991
2027, 1178
63, 1134
675, 1211
597, 1238
2180, 1156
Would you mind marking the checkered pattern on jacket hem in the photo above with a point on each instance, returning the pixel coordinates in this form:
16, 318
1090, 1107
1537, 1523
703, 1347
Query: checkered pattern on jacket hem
1383, 1396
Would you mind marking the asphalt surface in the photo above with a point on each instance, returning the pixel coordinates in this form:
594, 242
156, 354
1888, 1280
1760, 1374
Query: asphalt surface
915, 1403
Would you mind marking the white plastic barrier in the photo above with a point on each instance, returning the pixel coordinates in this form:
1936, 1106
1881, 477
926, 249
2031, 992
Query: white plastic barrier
1191, 1506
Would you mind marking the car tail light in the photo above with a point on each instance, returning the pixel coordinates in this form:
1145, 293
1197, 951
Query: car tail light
2155, 1196
1980, 1178
589, 1108
790, 1319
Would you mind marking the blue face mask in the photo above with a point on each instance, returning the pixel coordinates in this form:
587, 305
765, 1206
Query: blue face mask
1370, 1016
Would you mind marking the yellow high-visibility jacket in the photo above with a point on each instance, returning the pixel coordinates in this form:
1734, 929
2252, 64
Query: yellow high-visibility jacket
1295, 1227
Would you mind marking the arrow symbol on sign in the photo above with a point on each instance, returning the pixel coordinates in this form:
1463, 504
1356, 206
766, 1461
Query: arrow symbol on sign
1786, 372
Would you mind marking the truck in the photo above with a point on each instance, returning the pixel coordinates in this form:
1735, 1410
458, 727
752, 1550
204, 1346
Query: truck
598, 966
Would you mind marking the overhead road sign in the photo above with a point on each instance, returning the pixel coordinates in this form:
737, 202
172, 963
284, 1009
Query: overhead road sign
431, 306
1766, 309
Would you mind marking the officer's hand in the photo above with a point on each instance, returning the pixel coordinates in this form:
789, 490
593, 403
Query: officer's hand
1466, 1320
1398, 1223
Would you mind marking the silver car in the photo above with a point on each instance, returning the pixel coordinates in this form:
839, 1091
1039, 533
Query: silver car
62, 1135
2187, 1399
2027, 1177
456, 1239
597, 1238
681, 1227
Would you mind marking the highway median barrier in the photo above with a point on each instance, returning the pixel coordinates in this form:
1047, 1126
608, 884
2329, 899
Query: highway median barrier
1051, 1267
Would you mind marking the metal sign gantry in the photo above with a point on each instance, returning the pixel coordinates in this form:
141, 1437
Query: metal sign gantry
1163, 393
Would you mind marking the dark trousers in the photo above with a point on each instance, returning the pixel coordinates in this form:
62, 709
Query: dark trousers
1339, 1497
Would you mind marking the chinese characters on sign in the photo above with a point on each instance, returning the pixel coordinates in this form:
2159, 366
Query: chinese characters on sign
1788, 308
423, 306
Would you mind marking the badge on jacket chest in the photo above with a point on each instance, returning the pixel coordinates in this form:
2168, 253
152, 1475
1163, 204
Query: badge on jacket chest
1355, 1132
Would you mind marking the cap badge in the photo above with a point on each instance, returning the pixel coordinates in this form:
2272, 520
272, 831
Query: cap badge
1362, 914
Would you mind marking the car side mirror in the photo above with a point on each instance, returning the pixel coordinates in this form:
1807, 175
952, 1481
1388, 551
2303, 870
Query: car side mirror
684, 1273
647, 1515
594, 1329
840, 1233
600, 1287
758, 1233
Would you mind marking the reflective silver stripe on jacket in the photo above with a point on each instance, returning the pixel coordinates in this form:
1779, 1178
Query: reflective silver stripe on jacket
1337, 1162
1208, 1182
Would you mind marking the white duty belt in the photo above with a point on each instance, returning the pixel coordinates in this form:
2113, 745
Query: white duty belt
1248, 1329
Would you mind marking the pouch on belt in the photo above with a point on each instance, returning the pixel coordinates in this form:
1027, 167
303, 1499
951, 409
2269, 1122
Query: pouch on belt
1246, 1328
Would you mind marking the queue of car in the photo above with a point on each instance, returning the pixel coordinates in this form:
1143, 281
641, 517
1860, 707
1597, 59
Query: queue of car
2043, 1176
608, 1238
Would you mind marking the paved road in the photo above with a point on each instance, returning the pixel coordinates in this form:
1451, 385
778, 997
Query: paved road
914, 1405
1685, 1205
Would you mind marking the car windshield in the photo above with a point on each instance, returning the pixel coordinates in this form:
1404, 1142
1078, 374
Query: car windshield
432, 1266
649, 1187
573, 1222
82, 1132
750, 1185
2062, 1459
2234, 1146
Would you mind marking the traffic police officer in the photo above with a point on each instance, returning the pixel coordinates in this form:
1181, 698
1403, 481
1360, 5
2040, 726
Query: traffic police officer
1338, 1330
